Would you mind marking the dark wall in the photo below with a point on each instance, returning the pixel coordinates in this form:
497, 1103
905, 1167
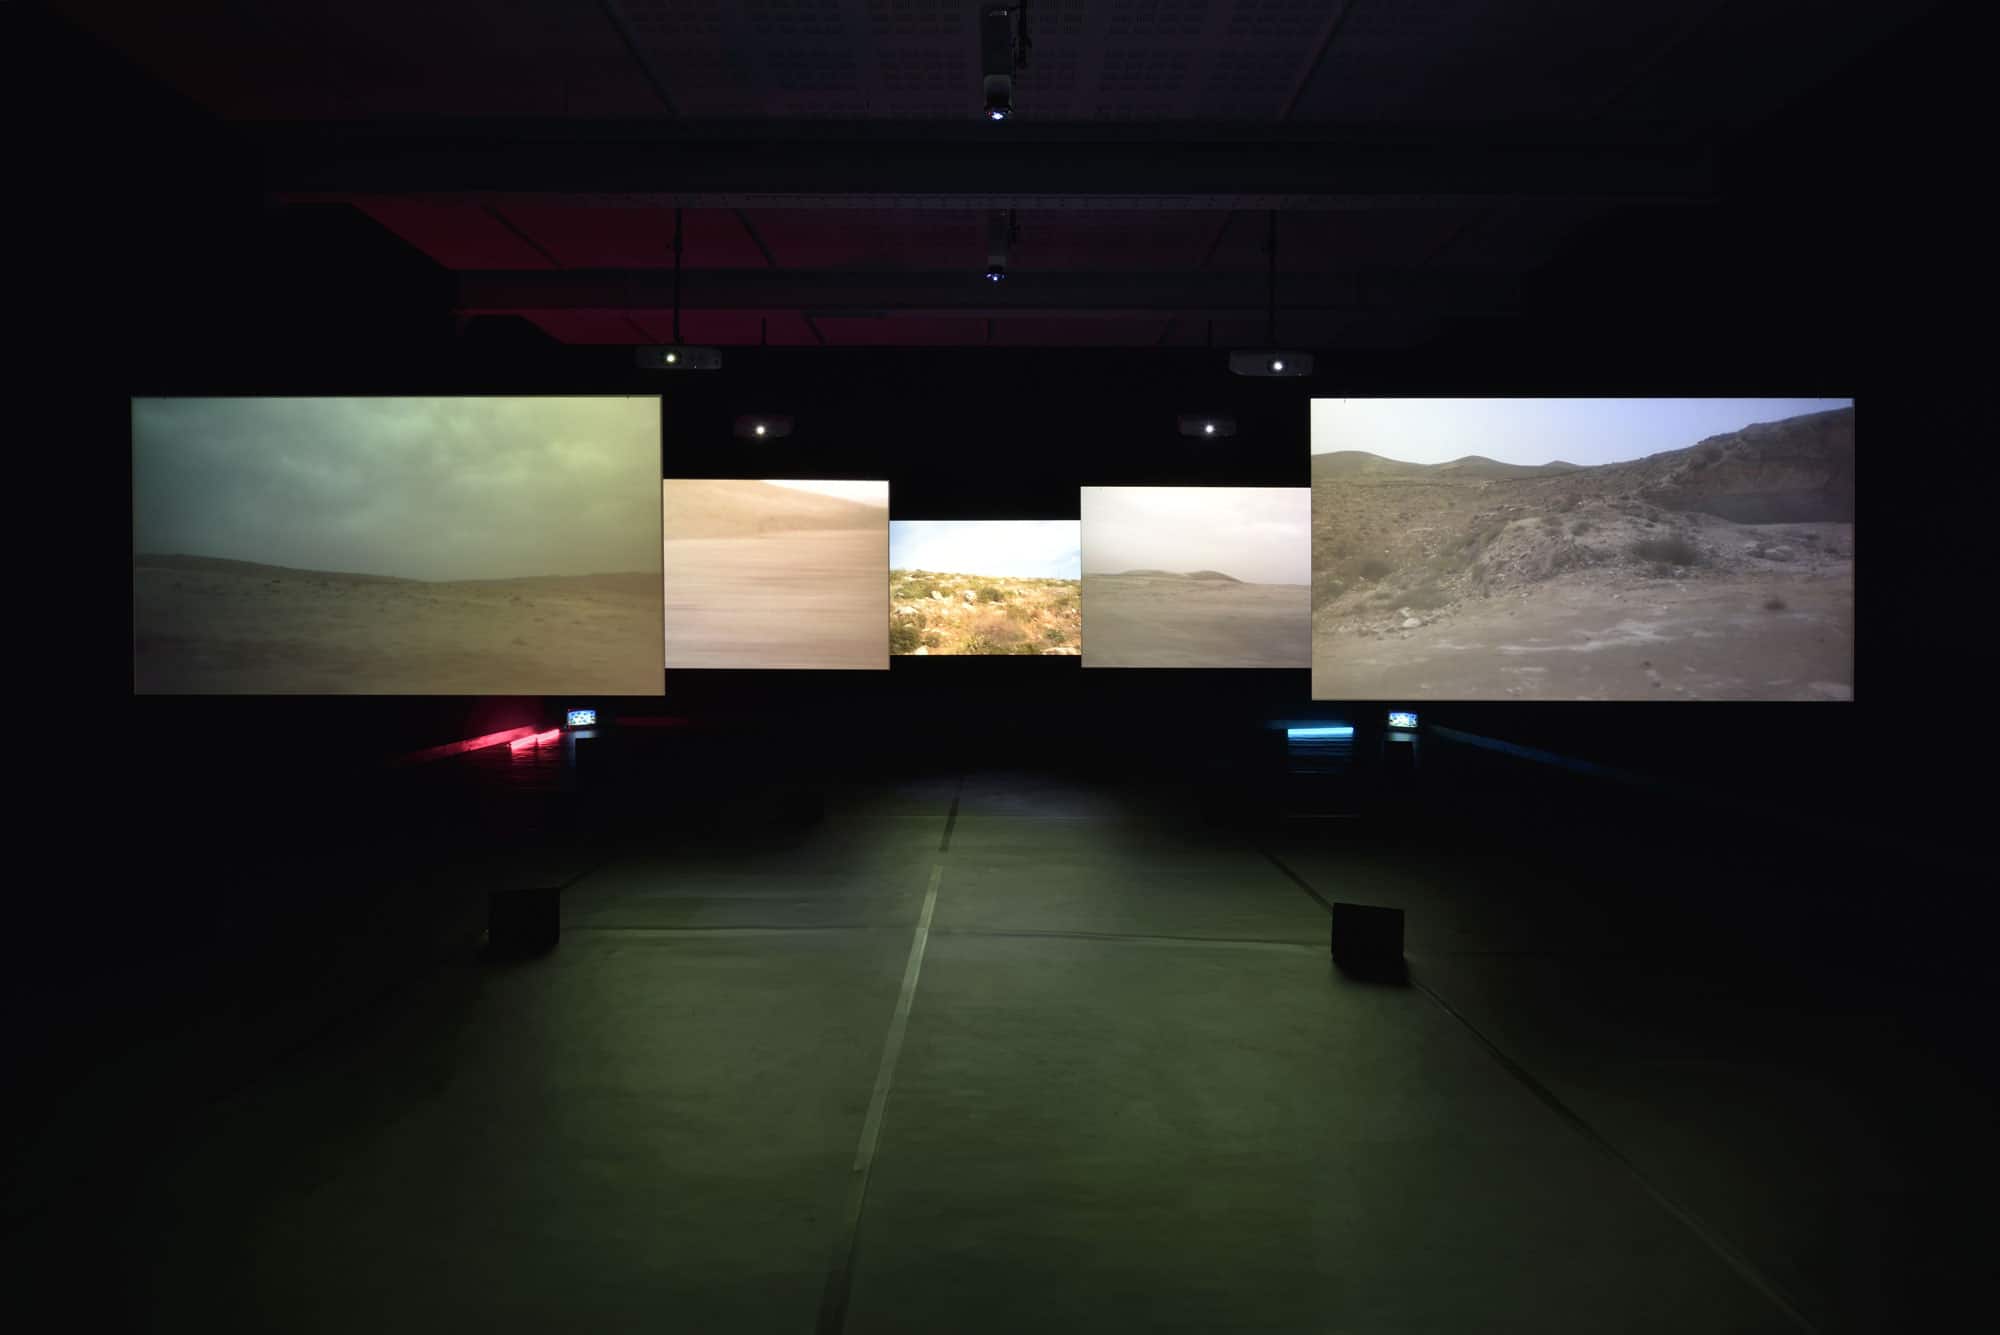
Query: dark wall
1826, 270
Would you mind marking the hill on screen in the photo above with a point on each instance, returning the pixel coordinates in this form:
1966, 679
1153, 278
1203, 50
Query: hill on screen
737, 508
1215, 575
222, 564
259, 569
1472, 467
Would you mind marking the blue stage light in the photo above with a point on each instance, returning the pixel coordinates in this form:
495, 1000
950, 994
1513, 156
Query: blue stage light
1319, 734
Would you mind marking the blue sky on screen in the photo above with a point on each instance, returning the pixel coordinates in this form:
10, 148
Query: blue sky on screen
1021, 548
1538, 431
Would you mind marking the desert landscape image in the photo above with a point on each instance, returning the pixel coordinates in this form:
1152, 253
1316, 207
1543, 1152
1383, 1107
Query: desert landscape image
775, 574
1201, 577
1574, 549
995, 586
420, 546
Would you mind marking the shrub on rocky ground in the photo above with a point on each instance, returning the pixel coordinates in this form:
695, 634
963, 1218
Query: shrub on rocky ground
1672, 551
1425, 598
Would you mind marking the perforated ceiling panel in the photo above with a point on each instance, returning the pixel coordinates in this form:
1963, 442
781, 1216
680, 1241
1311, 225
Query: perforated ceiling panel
344, 59
1363, 61
1117, 59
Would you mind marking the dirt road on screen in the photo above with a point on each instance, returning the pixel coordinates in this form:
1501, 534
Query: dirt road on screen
815, 598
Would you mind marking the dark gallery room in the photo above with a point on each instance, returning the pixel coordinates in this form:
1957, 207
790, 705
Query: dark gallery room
563, 849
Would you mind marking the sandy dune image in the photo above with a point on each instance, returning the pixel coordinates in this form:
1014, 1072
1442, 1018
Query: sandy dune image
421, 546
1199, 577
775, 574
985, 587
1719, 570
229, 627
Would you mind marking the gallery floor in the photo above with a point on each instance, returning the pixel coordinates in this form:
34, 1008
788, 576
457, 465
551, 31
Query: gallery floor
996, 1052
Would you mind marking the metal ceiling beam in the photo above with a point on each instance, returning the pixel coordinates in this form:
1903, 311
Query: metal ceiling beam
955, 165
1095, 294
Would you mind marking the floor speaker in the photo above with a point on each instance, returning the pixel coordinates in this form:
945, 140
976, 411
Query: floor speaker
1368, 942
523, 922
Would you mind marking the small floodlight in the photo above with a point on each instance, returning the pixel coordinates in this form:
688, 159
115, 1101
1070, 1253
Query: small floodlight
581, 718
679, 357
1402, 718
763, 426
1271, 362
1207, 426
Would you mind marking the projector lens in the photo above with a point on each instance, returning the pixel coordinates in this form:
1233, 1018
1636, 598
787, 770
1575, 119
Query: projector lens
1277, 366
760, 428
1208, 428
673, 357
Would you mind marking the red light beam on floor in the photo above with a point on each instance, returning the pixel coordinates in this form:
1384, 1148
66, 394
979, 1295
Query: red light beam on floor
460, 748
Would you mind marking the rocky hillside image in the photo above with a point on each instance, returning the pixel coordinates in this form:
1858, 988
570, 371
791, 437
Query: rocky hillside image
933, 612
1723, 570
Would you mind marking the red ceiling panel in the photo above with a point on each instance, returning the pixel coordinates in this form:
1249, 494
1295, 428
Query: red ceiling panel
641, 238
871, 238
590, 326
458, 236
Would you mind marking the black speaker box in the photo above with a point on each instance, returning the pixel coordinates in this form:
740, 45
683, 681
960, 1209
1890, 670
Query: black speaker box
1368, 942
523, 922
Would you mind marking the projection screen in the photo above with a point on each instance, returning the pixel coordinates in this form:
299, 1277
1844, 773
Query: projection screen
426, 546
1197, 577
1583, 549
776, 574
987, 586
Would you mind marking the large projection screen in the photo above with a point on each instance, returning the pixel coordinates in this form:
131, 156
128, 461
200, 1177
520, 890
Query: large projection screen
420, 546
1197, 577
985, 587
1583, 549
776, 574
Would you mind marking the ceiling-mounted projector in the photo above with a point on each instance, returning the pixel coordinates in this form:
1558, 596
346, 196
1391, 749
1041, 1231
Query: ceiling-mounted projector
1207, 426
1274, 362
763, 426
1001, 53
676, 357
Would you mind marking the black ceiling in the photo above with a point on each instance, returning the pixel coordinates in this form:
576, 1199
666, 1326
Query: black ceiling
1430, 162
